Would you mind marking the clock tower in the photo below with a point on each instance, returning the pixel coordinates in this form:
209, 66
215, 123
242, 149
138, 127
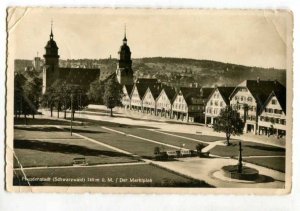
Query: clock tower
124, 70
50, 69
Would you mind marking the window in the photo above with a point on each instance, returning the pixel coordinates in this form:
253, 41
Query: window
236, 98
221, 104
250, 99
211, 103
216, 103
215, 111
242, 98
273, 102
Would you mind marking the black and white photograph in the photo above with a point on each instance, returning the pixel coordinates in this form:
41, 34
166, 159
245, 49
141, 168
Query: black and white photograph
149, 100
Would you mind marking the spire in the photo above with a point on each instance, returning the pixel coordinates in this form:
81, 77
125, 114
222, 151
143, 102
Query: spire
51, 34
125, 39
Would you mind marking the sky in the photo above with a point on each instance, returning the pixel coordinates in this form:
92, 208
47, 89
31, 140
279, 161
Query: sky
247, 37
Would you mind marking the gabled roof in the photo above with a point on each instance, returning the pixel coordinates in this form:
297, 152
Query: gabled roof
170, 92
259, 89
113, 75
155, 90
224, 91
128, 88
141, 89
205, 92
79, 76
189, 93
280, 94
146, 81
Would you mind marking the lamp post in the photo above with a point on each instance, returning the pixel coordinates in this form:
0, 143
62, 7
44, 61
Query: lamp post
240, 165
71, 112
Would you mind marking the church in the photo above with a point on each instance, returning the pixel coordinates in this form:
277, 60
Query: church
124, 71
81, 77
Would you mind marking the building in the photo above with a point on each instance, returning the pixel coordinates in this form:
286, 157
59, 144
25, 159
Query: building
137, 94
249, 98
204, 95
124, 72
126, 100
272, 119
81, 77
218, 100
37, 63
187, 104
164, 101
149, 99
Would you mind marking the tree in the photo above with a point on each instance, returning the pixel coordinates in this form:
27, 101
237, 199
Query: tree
48, 99
33, 91
112, 95
95, 92
199, 148
229, 122
19, 81
156, 151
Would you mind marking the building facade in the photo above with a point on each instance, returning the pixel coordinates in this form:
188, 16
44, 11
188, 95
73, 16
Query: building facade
164, 102
149, 99
137, 94
218, 100
126, 100
272, 119
249, 98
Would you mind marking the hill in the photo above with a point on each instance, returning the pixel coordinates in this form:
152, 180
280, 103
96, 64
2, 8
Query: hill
183, 71
204, 72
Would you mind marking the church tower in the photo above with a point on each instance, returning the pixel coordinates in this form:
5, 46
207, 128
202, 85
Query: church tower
124, 70
50, 69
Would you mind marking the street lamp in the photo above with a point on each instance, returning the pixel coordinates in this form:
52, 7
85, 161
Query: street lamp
71, 112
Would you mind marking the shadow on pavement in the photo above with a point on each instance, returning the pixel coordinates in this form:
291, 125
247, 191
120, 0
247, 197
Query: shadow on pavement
267, 148
54, 129
64, 148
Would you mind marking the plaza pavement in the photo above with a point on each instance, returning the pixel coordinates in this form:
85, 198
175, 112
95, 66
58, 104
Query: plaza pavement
141, 119
198, 168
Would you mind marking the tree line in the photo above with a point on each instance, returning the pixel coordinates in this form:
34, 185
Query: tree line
61, 96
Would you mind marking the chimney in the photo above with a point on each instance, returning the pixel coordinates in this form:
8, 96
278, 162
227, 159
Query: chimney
258, 80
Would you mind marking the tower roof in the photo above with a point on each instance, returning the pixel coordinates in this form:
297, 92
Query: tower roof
51, 43
125, 39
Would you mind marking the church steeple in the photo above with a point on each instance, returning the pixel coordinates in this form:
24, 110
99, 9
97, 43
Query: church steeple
125, 53
51, 67
125, 39
124, 70
51, 55
51, 34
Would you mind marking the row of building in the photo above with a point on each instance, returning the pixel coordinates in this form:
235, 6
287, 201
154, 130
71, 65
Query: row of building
261, 104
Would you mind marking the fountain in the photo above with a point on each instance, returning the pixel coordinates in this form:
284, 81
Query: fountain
239, 171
